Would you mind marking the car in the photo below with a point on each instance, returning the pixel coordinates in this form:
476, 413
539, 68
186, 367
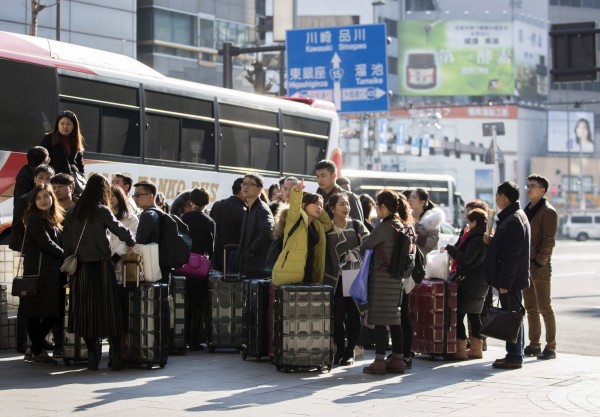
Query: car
581, 226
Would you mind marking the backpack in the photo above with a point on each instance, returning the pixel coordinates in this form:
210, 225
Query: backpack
175, 243
276, 246
402, 263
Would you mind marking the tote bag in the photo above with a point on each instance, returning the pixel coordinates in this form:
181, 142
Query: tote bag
360, 287
503, 324
150, 261
348, 277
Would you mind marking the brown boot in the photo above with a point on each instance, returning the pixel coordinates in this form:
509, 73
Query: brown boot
476, 348
461, 351
394, 365
376, 368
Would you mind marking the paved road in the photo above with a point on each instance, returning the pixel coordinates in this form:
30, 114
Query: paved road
576, 296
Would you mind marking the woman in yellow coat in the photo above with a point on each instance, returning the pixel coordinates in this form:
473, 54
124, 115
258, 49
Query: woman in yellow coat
302, 258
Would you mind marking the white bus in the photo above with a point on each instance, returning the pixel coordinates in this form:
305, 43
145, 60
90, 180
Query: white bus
175, 133
441, 188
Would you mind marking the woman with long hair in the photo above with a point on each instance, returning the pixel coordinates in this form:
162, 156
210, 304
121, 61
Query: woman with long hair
43, 255
202, 233
65, 143
428, 219
470, 256
345, 236
120, 208
95, 310
302, 258
385, 291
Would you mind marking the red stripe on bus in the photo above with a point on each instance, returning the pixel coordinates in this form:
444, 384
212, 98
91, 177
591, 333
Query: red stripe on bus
9, 171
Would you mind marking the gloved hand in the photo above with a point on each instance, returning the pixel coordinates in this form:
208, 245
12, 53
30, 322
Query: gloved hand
408, 284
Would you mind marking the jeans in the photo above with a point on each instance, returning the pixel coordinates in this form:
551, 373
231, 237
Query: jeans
514, 351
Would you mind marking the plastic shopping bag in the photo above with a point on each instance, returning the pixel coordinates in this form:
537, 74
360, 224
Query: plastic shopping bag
438, 265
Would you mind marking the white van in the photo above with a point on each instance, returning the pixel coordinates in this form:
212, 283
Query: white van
582, 226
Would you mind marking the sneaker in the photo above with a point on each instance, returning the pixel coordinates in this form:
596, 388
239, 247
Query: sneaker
407, 363
359, 351
547, 354
27, 357
43, 359
532, 350
58, 353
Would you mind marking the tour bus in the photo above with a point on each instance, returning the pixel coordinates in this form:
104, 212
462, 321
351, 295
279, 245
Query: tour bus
441, 188
176, 133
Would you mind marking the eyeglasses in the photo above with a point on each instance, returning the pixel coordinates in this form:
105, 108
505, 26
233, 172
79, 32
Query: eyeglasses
249, 184
528, 186
137, 195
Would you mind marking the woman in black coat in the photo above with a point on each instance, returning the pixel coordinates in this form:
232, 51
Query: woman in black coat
65, 144
472, 284
43, 255
202, 233
95, 309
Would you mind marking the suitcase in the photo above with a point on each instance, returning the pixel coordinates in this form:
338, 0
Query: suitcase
230, 263
226, 313
303, 327
177, 300
255, 308
433, 316
147, 337
74, 348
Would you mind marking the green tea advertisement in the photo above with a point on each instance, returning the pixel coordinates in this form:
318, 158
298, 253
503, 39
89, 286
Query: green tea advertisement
456, 57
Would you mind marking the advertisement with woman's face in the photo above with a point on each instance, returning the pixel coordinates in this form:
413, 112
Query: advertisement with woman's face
570, 132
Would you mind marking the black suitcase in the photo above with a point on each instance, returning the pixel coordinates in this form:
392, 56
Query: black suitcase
226, 313
147, 337
74, 348
303, 327
177, 300
255, 318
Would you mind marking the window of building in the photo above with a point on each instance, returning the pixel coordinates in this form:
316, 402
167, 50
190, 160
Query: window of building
393, 65
392, 27
167, 26
420, 5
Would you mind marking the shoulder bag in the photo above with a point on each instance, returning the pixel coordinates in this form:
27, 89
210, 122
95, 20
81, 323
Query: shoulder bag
27, 285
69, 265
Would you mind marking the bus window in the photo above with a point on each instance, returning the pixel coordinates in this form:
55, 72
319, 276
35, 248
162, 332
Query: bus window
301, 124
239, 114
301, 154
162, 137
178, 104
27, 102
120, 132
110, 93
245, 147
197, 142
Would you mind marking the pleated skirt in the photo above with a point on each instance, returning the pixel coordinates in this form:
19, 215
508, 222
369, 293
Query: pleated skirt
94, 308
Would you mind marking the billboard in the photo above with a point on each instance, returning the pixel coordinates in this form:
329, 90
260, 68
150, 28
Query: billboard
570, 131
531, 70
455, 57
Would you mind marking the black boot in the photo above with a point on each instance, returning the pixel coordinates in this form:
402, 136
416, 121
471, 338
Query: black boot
116, 363
94, 352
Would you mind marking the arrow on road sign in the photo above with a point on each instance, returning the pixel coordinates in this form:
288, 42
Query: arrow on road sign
360, 94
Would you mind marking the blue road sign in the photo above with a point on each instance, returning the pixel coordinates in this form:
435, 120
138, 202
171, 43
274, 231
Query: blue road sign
346, 65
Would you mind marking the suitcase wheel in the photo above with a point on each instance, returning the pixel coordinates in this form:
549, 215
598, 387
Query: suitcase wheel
67, 362
211, 348
258, 358
163, 364
148, 366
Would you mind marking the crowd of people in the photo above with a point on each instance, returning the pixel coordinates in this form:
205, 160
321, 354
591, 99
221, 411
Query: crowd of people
322, 234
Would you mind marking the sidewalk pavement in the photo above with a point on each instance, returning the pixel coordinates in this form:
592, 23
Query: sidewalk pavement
222, 383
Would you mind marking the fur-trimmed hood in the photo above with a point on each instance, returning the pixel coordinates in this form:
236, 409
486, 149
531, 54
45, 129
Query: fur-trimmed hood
280, 221
432, 219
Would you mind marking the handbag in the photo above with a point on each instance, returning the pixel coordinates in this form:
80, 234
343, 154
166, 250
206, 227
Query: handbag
197, 267
503, 324
359, 290
69, 265
27, 285
150, 263
437, 265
